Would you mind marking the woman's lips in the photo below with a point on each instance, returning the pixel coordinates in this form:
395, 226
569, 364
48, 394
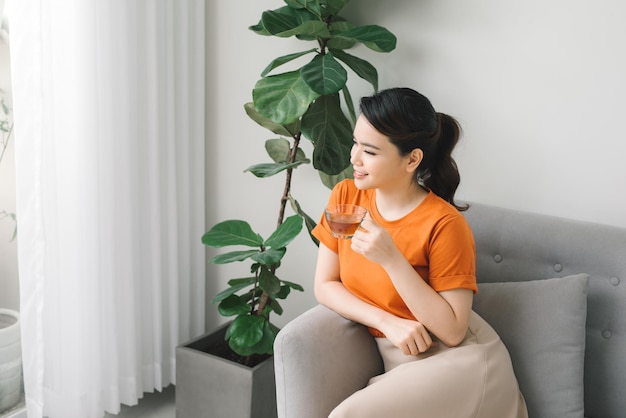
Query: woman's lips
358, 174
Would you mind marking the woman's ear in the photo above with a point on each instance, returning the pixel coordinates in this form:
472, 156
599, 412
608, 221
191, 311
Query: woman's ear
414, 159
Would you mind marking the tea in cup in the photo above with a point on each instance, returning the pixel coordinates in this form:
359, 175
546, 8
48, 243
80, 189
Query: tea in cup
344, 219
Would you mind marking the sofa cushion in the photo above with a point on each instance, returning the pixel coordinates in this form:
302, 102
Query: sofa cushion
542, 323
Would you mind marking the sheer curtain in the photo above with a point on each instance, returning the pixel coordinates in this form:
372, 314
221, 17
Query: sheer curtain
109, 106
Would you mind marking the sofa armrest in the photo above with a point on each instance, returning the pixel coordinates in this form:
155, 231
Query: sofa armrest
320, 359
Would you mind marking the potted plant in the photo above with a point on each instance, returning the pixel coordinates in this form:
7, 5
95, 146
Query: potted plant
10, 345
304, 103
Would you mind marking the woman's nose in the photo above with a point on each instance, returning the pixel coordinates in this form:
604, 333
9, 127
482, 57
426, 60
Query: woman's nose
354, 156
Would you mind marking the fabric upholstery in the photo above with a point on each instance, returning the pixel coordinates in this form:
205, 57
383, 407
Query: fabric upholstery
320, 359
542, 324
511, 246
515, 246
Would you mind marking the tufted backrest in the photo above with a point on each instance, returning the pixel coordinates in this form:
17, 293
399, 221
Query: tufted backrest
520, 246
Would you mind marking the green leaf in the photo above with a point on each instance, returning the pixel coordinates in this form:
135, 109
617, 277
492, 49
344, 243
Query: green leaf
270, 169
264, 346
284, 292
285, 233
270, 257
233, 305
276, 306
247, 281
290, 129
259, 29
340, 43
285, 24
332, 7
279, 148
296, 17
232, 232
285, 59
331, 132
308, 221
374, 37
310, 29
311, 5
232, 256
234, 288
331, 180
253, 293
292, 285
324, 74
246, 330
283, 98
269, 282
347, 98
362, 68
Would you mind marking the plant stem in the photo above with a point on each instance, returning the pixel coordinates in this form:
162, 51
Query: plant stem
292, 158
264, 299
262, 302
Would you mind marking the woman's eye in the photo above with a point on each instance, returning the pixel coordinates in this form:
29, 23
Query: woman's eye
355, 145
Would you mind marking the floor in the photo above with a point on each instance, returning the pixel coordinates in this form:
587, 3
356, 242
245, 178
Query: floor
153, 405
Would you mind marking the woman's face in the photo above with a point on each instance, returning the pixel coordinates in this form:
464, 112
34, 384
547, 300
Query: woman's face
376, 161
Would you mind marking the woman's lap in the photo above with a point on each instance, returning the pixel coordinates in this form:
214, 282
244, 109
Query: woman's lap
474, 379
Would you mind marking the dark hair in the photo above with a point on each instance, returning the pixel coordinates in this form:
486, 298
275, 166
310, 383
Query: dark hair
410, 121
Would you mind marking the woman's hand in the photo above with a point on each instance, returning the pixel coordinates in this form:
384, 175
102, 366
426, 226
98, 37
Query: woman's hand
408, 335
445, 314
374, 243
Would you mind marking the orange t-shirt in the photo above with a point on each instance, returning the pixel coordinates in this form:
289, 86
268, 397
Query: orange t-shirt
434, 237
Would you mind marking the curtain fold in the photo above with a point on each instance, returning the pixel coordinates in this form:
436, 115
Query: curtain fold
108, 101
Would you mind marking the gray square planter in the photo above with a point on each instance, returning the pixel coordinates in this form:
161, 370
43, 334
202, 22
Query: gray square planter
209, 386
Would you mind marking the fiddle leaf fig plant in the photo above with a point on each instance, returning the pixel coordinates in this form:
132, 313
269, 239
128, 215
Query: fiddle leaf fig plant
251, 332
306, 101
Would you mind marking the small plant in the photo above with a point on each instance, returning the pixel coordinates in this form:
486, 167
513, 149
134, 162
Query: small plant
6, 129
303, 102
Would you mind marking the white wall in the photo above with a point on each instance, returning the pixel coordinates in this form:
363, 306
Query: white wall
537, 86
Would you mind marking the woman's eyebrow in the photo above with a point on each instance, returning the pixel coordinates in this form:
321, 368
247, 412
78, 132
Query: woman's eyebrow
366, 144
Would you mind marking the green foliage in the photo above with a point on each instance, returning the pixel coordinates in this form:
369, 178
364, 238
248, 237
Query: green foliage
310, 93
305, 102
251, 332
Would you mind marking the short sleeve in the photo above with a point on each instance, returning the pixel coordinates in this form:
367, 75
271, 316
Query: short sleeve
452, 256
322, 233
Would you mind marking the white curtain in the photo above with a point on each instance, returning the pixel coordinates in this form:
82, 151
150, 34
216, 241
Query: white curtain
108, 99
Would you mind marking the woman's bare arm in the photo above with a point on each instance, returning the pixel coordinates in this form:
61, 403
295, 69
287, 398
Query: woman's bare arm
410, 336
445, 314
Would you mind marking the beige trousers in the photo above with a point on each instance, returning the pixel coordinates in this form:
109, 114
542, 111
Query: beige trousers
474, 379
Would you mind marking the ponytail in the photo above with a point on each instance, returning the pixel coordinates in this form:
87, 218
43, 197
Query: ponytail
440, 173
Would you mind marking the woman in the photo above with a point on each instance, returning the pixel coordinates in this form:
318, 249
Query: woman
408, 273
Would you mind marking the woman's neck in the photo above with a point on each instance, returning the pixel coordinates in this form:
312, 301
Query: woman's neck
395, 203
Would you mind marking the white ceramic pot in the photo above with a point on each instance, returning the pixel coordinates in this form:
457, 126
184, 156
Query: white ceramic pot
10, 359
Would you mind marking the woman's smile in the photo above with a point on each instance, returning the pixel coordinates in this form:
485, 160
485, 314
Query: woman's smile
359, 175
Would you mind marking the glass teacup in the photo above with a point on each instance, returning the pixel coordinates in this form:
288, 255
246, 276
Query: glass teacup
344, 219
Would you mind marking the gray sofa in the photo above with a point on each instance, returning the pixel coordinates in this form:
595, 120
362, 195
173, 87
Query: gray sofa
551, 287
